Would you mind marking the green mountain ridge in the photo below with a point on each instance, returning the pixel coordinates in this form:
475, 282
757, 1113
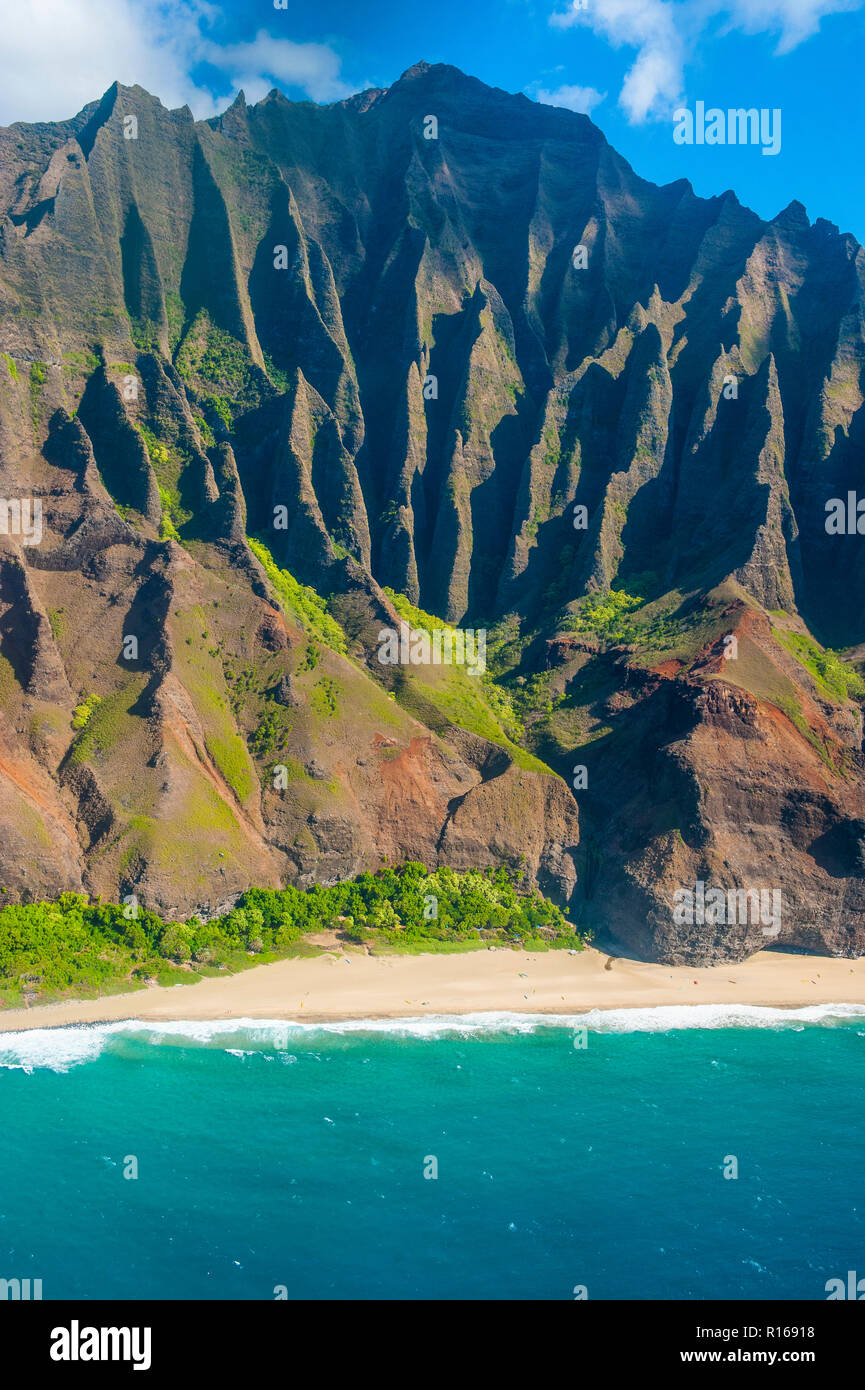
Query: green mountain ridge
287, 377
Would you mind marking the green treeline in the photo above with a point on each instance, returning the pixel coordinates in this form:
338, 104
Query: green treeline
73, 946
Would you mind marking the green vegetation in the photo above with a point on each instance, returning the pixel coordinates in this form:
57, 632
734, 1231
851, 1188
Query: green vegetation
204, 674
450, 695
175, 313
341, 552
10, 365
605, 616
672, 625
86, 360
416, 617
241, 684
38, 378
217, 367
158, 452
9, 687
99, 722
280, 379
74, 947
833, 676
790, 706
208, 438
270, 737
303, 603
214, 355
57, 623
81, 714
229, 754
169, 464
325, 697
221, 407
144, 334
167, 528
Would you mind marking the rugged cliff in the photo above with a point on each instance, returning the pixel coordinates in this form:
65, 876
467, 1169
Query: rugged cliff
280, 379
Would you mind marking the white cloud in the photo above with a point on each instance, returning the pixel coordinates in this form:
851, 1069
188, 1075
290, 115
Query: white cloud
666, 32
311, 66
57, 55
654, 82
792, 20
574, 98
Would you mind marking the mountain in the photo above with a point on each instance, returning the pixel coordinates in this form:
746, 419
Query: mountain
282, 379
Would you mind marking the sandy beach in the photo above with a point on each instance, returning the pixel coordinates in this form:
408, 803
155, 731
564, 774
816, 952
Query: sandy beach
349, 984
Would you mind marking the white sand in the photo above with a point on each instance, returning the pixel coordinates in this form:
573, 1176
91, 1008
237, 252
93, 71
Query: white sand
351, 984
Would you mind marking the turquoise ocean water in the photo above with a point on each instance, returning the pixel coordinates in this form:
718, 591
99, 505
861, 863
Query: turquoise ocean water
293, 1155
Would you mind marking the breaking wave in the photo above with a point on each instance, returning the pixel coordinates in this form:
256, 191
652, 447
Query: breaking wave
59, 1049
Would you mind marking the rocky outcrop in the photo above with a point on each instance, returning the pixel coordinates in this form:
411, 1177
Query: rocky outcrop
703, 782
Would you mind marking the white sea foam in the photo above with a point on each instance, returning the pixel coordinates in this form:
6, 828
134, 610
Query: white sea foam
54, 1048
667, 1017
58, 1049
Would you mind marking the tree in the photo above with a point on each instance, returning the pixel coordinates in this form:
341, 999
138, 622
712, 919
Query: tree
174, 945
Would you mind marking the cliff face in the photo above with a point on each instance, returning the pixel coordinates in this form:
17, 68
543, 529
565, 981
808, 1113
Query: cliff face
495, 373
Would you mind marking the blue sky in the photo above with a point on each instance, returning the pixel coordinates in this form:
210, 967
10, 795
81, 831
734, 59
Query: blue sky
630, 63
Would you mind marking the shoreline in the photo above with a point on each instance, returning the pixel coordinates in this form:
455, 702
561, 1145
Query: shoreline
349, 986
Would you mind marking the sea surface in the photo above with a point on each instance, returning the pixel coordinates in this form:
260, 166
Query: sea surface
289, 1160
